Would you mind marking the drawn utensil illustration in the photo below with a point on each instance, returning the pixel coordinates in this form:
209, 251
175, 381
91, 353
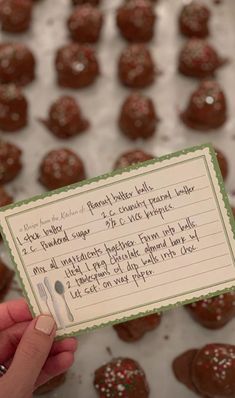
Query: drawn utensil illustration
59, 288
54, 302
43, 295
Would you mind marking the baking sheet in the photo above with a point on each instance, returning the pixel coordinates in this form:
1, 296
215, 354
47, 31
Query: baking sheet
101, 145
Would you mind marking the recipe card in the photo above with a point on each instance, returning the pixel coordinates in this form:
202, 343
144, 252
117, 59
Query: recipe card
125, 244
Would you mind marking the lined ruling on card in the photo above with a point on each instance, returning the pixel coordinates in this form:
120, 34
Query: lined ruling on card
126, 244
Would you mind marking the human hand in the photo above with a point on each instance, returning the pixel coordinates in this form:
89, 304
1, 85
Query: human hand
28, 350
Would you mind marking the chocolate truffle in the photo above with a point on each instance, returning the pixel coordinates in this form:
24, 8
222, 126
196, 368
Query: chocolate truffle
85, 24
6, 276
122, 377
214, 313
199, 59
79, 2
213, 371
15, 15
132, 157
61, 167
134, 330
136, 67
193, 20
138, 118
10, 161
223, 163
207, 107
209, 371
5, 199
13, 108
17, 64
76, 65
136, 20
51, 385
65, 118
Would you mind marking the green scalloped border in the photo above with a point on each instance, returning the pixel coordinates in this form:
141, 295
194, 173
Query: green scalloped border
110, 175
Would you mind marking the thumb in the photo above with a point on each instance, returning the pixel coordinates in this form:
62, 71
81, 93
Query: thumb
31, 355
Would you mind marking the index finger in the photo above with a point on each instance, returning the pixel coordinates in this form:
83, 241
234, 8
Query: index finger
13, 312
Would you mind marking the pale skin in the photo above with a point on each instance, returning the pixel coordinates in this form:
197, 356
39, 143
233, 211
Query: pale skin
31, 356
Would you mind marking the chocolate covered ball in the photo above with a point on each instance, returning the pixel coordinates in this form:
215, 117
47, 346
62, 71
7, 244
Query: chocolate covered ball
122, 377
10, 161
85, 24
136, 67
65, 118
135, 329
15, 15
6, 276
199, 59
17, 64
80, 2
76, 65
223, 163
60, 168
214, 313
213, 371
13, 108
132, 157
209, 371
194, 19
51, 385
207, 107
136, 20
138, 117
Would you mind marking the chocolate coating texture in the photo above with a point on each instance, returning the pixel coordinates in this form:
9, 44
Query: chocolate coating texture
65, 118
136, 20
17, 64
138, 117
76, 65
85, 24
60, 168
121, 377
207, 107
136, 66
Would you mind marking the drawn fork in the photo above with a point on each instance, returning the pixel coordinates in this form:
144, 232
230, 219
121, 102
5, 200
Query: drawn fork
43, 295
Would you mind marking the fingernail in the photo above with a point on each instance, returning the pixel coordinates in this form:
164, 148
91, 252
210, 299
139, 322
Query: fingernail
45, 324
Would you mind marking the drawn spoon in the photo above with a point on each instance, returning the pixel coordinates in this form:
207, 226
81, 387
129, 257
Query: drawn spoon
59, 288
